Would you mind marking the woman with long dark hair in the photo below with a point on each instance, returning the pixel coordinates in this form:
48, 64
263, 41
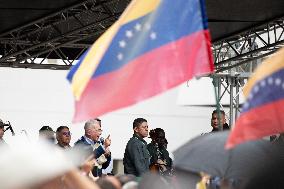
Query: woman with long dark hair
160, 161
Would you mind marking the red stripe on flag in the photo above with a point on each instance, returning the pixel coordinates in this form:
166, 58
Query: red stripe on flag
257, 123
146, 76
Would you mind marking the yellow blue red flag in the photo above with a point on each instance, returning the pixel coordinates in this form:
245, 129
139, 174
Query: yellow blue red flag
262, 113
154, 46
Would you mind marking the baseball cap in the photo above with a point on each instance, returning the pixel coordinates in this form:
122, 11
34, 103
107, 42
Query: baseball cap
45, 128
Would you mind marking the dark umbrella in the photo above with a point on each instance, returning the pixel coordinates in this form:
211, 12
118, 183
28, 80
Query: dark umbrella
206, 153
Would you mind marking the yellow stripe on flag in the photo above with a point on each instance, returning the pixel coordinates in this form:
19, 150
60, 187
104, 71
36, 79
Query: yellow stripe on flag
141, 8
91, 62
136, 9
269, 66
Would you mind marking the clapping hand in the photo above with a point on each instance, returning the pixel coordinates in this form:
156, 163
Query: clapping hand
161, 162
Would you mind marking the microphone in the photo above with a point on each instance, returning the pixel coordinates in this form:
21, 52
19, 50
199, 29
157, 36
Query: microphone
102, 140
12, 131
9, 127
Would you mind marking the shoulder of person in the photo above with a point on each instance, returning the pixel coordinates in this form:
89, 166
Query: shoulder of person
150, 145
134, 139
226, 126
135, 142
81, 141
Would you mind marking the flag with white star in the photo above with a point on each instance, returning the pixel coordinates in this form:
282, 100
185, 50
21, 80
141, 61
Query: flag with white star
262, 112
154, 46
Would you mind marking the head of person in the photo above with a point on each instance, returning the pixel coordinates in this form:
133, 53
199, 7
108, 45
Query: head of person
63, 135
115, 182
158, 136
140, 127
1, 129
47, 133
93, 129
152, 180
125, 178
215, 119
105, 183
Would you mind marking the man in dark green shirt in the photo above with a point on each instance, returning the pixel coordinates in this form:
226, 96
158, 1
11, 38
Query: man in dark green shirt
136, 159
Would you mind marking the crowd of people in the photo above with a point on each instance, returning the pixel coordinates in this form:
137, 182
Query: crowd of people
95, 155
146, 165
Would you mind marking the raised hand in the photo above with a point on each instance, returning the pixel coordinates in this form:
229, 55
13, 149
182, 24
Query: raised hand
107, 142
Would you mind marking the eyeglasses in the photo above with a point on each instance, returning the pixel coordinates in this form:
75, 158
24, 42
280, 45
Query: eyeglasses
98, 130
67, 133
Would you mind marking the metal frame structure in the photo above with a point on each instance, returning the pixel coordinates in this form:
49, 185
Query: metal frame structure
231, 84
238, 56
72, 28
247, 46
66, 30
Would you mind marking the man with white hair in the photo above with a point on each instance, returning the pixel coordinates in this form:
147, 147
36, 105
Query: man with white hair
92, 143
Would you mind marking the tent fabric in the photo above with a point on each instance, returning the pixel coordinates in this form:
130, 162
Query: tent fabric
226, 18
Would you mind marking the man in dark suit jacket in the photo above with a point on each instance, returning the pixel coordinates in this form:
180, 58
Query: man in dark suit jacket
92, 143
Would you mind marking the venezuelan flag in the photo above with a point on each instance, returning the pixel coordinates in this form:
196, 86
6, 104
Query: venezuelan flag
154, 46
262, 113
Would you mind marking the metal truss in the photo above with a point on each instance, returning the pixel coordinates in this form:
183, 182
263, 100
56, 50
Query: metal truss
71, 29
239, 53
238, 56
231, 84
74, 28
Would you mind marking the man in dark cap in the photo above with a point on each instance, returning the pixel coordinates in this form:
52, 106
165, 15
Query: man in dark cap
47, 133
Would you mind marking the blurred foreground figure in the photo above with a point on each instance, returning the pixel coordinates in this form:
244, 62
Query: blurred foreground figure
126, 178
46, 133
108, 182
271, 176
186, 180
153, 181
39, 165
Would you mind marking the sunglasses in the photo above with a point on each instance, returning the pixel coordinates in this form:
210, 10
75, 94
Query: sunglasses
67, 133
